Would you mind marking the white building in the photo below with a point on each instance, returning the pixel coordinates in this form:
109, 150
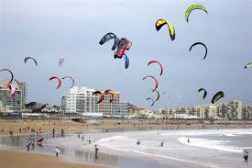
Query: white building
81, 100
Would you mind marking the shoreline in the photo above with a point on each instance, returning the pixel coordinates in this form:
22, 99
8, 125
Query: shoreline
13, 159
27, 127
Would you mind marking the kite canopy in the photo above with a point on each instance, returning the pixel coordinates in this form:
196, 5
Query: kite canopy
249, 65
219, 95
204, 92
194, 6
171, 29
59, 82
126, 62
158, 63
123, 45
110, 93
110, 36
201, 44
100, 94
31, 58
154, 80
10, 72
12, 89
152, 101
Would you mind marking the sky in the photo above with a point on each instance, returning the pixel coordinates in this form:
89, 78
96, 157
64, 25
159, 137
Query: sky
52, 29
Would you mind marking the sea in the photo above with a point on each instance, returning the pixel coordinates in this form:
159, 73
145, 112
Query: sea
197, 148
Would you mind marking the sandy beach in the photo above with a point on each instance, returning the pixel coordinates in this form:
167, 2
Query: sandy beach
22, 127
11, 159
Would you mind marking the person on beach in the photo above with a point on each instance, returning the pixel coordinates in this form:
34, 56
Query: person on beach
162, 144
138, 142
53, 133
28, 144
57, 151
40, 141
33, 146
245, 155
89, 140
188, 140
11, 133
96, 152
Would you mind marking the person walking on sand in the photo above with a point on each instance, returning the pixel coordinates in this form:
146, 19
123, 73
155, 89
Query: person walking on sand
188, 140
89, 140
53, 133
245, 155
96, 152
33, 146
57, 151
162, 144
28, 144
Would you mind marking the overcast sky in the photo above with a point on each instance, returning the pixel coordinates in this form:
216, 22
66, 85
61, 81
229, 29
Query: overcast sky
51, 29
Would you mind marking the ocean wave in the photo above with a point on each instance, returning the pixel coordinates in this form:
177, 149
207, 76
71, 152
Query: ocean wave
209, 144
220, 132
124, 144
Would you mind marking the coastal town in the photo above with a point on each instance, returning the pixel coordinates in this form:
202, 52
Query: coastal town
79, 102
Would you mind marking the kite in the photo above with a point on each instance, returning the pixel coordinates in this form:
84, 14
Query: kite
171, 29
194, 6
151, 99
158, 96
217, 97
154, 80
12, 89
99, 93
204, 92
154, 100
109, 92
123, 45
108, 37
126, 62
31, 58
202, 44
249, 65
59, 82
157, 62
11, 74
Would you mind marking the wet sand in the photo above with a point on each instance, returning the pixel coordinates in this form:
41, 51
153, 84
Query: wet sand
11, 159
